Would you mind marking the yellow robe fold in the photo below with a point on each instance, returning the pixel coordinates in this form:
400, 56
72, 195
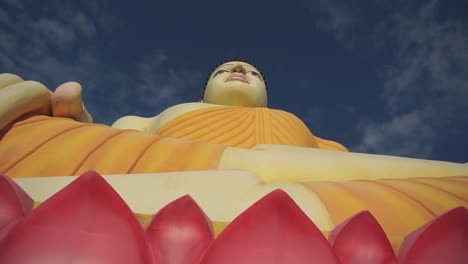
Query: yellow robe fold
45, 146
244, 127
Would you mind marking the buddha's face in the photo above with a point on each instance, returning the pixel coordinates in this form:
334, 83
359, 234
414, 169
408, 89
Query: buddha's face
236, 83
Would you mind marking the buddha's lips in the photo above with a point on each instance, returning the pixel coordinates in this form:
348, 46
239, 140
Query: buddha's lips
237, 77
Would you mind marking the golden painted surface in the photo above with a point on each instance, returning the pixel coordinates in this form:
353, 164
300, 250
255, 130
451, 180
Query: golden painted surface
329, 186
244, 127
399, 205
45, 146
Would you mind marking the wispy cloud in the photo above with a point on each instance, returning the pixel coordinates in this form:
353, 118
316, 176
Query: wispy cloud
424, 85
18, 4
40, 43
59, 42
426, 89
408, 134
432, 58
337, 17
156, 84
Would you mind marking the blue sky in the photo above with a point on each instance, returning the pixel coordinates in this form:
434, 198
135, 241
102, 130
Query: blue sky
385, 77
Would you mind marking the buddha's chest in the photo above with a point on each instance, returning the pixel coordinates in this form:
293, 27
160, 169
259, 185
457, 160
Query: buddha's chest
239, 127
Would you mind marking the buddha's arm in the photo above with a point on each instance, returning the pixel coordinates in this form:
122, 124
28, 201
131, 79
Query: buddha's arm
152, 124
328, 144
135, 122
279, 163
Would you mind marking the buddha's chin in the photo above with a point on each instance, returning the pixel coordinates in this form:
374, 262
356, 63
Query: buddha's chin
235, 98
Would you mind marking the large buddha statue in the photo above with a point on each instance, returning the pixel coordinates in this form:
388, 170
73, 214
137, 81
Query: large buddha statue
231, 126
227, 151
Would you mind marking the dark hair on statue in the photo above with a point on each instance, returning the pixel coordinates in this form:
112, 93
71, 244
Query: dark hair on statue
236, 59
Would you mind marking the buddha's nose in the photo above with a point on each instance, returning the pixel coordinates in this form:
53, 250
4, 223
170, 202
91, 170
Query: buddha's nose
238, 68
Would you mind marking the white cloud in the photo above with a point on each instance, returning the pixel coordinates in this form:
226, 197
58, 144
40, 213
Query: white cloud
432, 58
54, 32
336, 16
404, 135
57, 43
426, 90
157, 83
424, 85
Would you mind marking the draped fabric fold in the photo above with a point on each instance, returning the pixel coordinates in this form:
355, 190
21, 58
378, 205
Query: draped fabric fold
244, 127
50, 146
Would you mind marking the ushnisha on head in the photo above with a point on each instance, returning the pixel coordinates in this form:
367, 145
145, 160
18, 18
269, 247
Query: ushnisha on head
236, 83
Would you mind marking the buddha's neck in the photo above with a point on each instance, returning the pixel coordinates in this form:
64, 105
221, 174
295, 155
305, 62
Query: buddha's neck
236, 99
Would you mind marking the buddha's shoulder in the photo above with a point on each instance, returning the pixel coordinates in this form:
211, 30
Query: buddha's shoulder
181, 109
152, 124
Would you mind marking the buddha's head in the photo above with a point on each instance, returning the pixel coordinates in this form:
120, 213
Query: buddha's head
236, 83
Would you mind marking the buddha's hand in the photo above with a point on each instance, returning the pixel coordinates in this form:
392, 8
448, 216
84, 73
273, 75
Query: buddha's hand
68, 102
19, 97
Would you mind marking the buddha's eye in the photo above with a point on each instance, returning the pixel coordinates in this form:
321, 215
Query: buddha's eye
219, 72
256, 74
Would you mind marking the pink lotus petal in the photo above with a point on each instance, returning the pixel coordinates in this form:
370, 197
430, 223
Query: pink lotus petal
86, 222
443, 240
273, 230
361, 240
180, 232
14, 204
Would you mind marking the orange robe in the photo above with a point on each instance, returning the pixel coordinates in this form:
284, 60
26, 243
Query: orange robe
48, 146
244, 127
52, 146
